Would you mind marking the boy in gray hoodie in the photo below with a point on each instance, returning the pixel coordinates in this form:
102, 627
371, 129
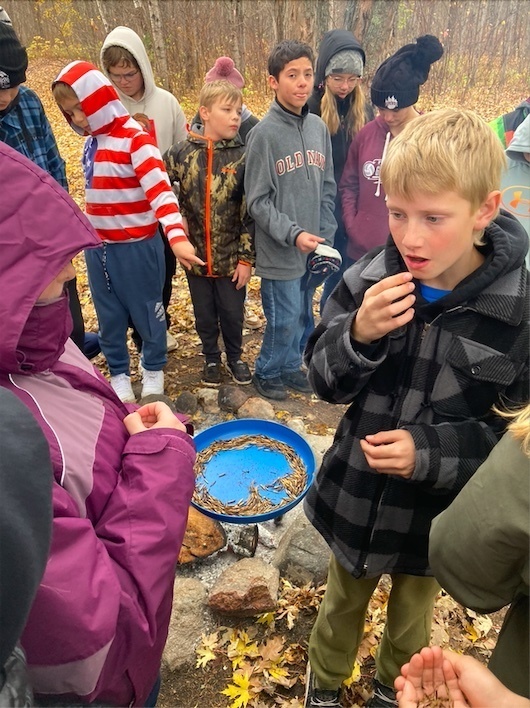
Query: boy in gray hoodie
290, 193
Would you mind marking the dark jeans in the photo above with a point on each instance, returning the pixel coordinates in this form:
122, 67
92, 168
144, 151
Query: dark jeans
331, 283
218, 307
150, 701
309, 318
78, 332
341, 244
171, 269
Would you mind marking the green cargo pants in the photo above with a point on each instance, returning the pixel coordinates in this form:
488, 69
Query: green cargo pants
339, 626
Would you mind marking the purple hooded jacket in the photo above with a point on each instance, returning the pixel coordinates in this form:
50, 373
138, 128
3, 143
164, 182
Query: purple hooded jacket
99, 622
364, 209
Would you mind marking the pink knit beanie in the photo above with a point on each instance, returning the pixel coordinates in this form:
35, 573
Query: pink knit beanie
224, 68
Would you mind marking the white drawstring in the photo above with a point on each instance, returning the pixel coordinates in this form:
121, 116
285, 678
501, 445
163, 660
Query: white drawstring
378, 190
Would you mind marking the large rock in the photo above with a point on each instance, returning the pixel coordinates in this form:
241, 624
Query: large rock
231, 398
247, 588
187, 622
207, 398
298, 425
187, 403
302, 555
256, 408
319, 444
204, 536
154, 397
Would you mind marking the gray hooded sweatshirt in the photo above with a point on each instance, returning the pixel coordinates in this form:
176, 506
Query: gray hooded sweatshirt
289, 187
515, 183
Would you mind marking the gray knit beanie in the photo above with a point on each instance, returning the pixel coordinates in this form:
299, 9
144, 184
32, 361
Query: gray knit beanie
346, 62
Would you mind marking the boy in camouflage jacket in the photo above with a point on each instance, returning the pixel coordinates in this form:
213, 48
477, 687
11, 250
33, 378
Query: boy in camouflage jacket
209, 168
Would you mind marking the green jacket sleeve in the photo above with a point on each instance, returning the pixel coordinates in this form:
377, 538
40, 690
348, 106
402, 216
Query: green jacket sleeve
479, 545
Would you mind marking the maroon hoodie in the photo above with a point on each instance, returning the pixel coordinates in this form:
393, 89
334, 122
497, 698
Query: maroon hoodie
363, 199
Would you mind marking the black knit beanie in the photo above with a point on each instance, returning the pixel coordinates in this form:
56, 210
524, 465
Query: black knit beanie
397, 81
13, 58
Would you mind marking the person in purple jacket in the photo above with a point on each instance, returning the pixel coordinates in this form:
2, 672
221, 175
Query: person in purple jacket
394, 91
123, 475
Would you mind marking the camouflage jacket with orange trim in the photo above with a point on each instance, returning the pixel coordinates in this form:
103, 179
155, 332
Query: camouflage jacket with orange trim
210, 178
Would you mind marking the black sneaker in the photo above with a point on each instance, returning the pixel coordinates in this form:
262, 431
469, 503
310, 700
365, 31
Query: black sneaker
382, 697
239, 371
317, 697
270, 388
297, 380
211, 374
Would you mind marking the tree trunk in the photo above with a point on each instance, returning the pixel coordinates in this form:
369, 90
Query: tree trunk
159, 45
362, 19
104, 20
349, 13
280, 19
322, 20
237, 32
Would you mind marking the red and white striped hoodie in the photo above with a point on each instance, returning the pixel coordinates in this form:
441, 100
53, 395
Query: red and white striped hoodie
129, 192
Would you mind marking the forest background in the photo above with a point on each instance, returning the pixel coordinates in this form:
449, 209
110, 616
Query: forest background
485, 65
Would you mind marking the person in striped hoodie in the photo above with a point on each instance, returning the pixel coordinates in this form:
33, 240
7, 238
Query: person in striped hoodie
127, 194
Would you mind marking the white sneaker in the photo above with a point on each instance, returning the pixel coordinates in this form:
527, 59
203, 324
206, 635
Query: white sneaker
122, 387
171, 342
152, 383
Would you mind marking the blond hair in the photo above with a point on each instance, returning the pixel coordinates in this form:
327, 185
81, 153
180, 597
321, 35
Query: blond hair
217, 90
355, 118
62, 92
519, 426
446, 150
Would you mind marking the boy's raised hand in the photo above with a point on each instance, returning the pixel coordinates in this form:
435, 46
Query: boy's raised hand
390, 452
386, 306
241, 275
307, 242
185, 254
152, 415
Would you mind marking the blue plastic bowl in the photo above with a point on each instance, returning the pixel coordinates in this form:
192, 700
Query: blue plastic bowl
230, 474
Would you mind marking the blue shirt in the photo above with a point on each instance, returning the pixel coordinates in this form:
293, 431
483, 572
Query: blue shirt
432, 294
27, 130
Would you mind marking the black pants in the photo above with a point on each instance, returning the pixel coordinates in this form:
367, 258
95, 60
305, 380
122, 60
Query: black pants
78, 333
218, 307
171, 269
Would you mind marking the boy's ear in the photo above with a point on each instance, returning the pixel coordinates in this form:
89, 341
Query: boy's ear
273, 83
204, 113
488, 210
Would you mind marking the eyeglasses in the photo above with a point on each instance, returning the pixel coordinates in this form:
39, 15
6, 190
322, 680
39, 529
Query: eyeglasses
338, 80
123, 77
